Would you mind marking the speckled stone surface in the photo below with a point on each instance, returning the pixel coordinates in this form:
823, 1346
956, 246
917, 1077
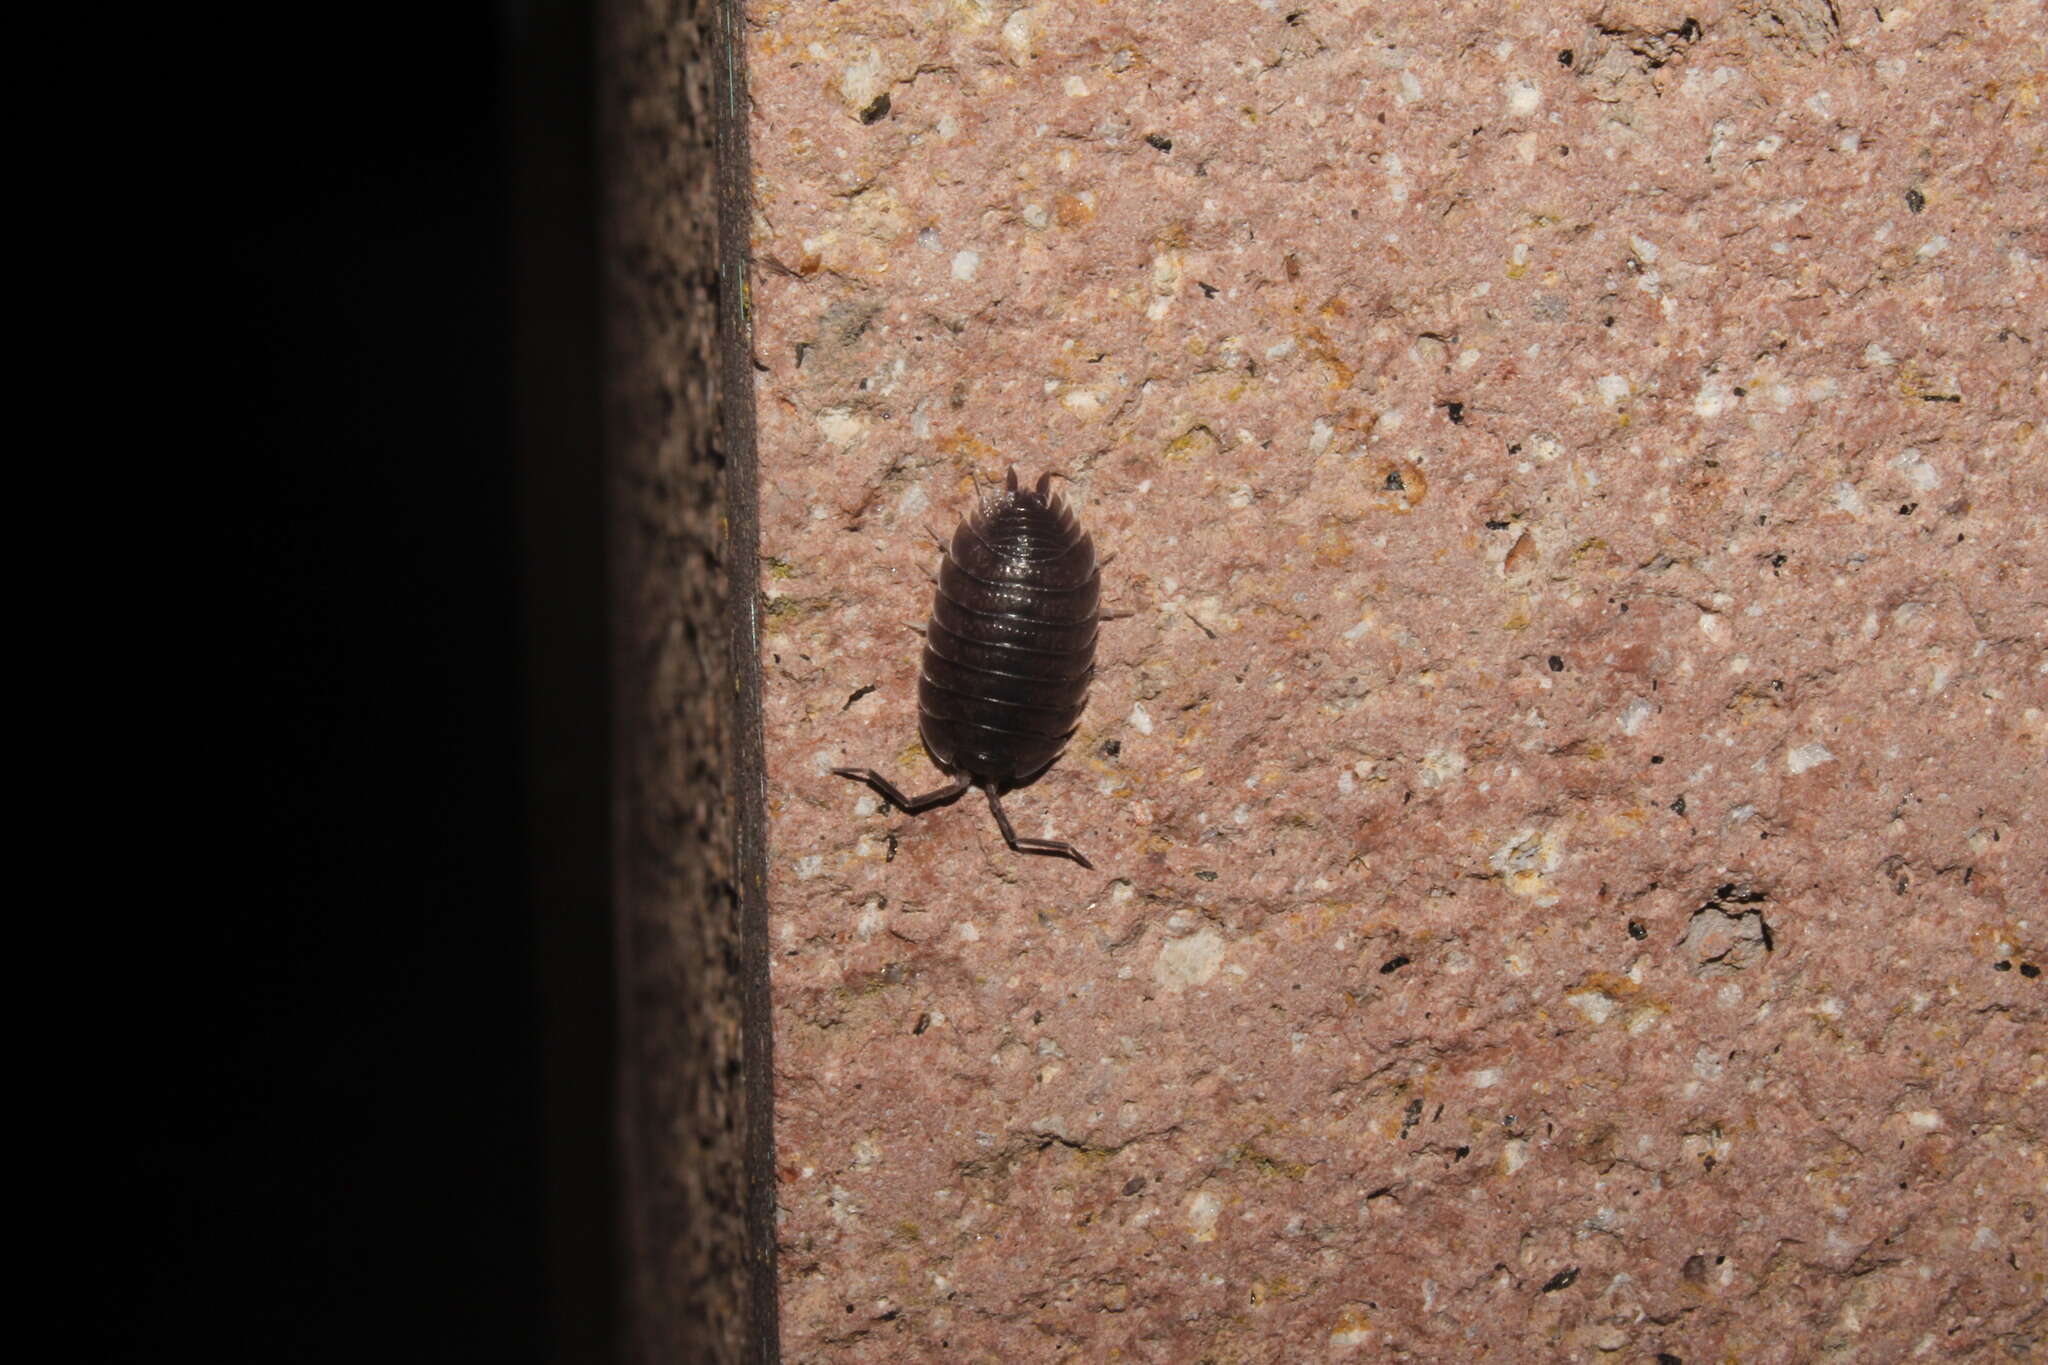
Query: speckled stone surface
1569, 804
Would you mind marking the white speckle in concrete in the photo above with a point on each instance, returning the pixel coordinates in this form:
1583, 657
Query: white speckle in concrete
1017, 35
1203, 1210
860, 82
1190, 961
871, 919
1081, 402
1353, 1330
1597, 1006
841, 426
1807, 756
1442, 765
1915, 467
1525, 863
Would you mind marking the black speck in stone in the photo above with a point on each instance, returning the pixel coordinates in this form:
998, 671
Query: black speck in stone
2001, 966
1561, 1280
1679, 805
1636, 930
1112, 747
1208, 290
1741, 392
1159, 141
1456, 412
1907, 509
1556, 664
1395, 484
877, 110
1656, 758
1393, 964
1564, 57
1915, 200
2029, 970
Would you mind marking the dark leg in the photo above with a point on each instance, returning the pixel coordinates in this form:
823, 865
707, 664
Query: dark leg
909, 805
1052, 846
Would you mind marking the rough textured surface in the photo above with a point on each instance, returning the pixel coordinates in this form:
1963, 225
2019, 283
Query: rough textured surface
692, 1290
1569, 806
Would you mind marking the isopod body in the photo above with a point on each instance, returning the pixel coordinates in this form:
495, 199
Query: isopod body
1009, 652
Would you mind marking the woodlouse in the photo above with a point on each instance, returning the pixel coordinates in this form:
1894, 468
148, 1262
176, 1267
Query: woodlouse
1009, 652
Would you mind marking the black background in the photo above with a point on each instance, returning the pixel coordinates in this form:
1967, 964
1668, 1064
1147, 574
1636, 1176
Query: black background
358, 1105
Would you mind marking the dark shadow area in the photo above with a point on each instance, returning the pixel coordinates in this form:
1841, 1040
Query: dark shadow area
359, 1106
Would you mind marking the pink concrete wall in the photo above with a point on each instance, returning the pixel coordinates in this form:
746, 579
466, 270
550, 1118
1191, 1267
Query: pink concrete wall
1568, 808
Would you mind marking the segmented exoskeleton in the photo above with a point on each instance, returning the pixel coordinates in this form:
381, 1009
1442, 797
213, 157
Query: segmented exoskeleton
1008, 653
